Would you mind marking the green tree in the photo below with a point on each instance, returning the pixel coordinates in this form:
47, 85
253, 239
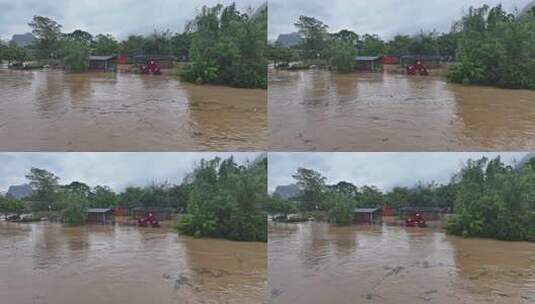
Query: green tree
105, 45
132, 46
75, 209
45, 186
371, 45
315, 36
227, 48
312, 183
11, 205
75, 56
341, 209
342, 56
103, 197
226, 201
48, 35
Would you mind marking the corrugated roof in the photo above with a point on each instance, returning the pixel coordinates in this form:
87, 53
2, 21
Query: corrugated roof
101, 58
367, 58
98, 210
365, 210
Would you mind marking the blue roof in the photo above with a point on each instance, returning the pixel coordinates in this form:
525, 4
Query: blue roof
366, 210
368, 58
98, 210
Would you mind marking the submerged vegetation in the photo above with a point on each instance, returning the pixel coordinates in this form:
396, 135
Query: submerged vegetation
494, 200
488, 46
227, 47
486, 199
226, 201
495, 48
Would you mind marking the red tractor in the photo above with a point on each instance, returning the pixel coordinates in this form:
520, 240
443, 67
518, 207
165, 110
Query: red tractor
416, 220
149, 219
417, 68
152, 67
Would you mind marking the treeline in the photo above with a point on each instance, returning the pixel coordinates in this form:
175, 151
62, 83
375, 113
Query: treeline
339, 49
340, 199
69, 202
489, 46
74, 48
224, 46
495, 201
226, 201
218, 199
495, 48
487, 199
228, 47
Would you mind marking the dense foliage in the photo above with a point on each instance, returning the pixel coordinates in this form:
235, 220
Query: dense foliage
218, 199
226, 201
338, 50
486, 197
228, 48
495, 201
495, 48
489, 47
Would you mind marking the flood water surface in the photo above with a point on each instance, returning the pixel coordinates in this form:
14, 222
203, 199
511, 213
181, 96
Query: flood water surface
321, 110
315, 263
50, 263
57, 111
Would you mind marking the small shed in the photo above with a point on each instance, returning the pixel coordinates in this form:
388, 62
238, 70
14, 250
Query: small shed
103, 63
391, 59
369, 63
430, 62
428, 213
163, 214
367, 215
165, 61
100, 215
125, 59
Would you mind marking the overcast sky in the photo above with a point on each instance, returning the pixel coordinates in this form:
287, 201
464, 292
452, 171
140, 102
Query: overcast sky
384, 170
384, 17
117, 170
117, 17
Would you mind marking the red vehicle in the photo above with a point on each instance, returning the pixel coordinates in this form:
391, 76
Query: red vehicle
152, 67
417, 68
149, 219
416, 220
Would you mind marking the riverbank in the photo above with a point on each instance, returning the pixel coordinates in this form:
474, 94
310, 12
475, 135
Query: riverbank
320, 263
51, 263
322, 110
98, 111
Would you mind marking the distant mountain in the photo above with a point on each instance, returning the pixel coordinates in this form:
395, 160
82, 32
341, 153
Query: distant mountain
260, 10
289, 40
525, 160
287, 192
23, 40
528, 7
20, 191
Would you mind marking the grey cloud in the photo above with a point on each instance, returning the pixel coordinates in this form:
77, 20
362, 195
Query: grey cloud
117, 170
117, 17
384, 170
384, 17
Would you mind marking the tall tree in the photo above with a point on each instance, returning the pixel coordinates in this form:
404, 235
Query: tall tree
48, 34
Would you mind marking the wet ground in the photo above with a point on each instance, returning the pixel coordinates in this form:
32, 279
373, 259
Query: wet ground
50, 263
320, 110
318, 263
57, 111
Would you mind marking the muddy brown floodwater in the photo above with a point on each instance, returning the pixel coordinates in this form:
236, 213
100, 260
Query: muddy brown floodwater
315, 263
57, 111
50, 263
321, 110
